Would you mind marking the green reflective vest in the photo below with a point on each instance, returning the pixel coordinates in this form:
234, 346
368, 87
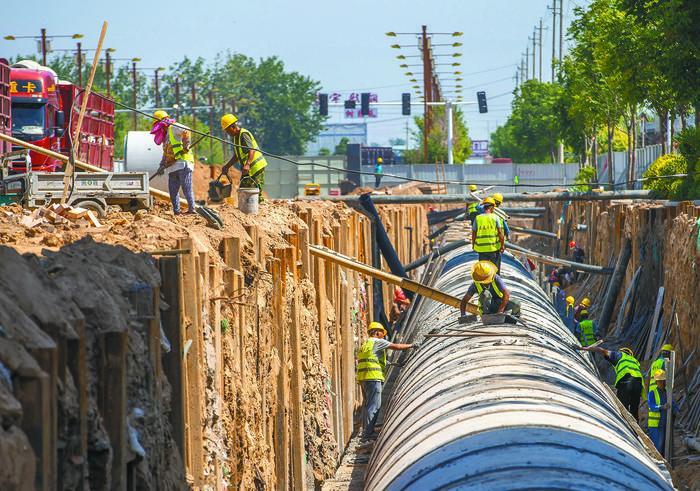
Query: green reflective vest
369, 366
658, 364
586, 334
627, 364
177, 147
655, 416
480, 288
471, 207
259, 162
487, 233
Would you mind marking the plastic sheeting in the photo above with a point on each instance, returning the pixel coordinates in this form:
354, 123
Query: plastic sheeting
503, 412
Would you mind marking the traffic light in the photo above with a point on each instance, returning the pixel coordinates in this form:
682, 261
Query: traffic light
481, 99
349, 104
323, 104
406, 103
364, 103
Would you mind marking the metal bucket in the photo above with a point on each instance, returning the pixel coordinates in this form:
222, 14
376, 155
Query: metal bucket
248, 200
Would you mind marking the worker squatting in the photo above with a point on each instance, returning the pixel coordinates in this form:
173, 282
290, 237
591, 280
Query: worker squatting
489, 233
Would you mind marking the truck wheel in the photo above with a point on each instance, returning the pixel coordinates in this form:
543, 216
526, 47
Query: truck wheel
92, 206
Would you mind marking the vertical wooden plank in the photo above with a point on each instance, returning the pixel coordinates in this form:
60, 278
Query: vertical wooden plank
320, 287
242, 334
77, 364
232, 259
112, 400
282, 441
33, 393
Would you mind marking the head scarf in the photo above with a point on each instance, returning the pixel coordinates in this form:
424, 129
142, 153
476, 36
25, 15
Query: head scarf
160, 130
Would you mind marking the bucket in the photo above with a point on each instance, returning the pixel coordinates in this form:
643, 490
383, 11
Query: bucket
248, 200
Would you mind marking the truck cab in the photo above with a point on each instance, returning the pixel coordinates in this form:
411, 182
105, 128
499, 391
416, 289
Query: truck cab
37, 115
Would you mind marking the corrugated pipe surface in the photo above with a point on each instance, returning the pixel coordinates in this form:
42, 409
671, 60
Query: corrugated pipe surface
503, 412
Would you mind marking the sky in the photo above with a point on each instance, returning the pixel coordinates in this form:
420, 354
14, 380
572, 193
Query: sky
341, 44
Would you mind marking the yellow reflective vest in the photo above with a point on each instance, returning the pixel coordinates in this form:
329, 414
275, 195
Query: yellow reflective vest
178, 149
627, 364
487, 225
369, 366
657, 365
655, 416
587, 334
258, 163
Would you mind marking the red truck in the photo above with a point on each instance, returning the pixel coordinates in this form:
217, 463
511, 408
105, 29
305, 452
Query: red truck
5, 114
41, 108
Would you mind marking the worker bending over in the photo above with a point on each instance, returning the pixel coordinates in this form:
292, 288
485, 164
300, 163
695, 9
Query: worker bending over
371, 363
628, 376
494, 296
586, 330
246, 152
658, 405
177, 160
487, 235
659, 363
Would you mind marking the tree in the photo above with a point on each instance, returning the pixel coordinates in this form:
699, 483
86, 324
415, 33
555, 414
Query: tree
342, 147
324, 152
437, 138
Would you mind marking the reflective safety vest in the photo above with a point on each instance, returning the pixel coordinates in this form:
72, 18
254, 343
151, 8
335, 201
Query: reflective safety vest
655, 416
471, 207
487, 233
494, 290
259, 162
369, 366
178, 150
657, 365
587, 334
627, 364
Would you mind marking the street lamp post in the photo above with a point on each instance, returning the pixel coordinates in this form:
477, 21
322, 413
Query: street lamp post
43, 41
79, 63
157, 89
134, 91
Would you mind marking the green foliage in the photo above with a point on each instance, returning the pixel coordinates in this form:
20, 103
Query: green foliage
533, 128
689, 146
663, 166
324, 152
437, 138
586, 175
342, 147
224, 326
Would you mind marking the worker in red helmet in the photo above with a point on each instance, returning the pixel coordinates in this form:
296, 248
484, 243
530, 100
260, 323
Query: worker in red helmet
577, 252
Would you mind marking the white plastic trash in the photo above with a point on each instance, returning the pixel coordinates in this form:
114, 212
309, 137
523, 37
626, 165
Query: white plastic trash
248, 200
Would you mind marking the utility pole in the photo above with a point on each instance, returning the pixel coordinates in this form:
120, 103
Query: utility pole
79, 62
157, 87
224, 146
193, 103
527, 61
177, 98
43, 46
427, 91
561, 57
133, 98
407, 135
534, 52
517, 81
554, 35
448, 115
108, 70
540, 49
210, 100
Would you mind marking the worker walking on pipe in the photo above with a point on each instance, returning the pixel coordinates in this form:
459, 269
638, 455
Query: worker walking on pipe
629, 381
586, 330
371, 363
177, 160
378, 172
659, 363
246, 153
657, 400
473, 206
494, 295
487, 235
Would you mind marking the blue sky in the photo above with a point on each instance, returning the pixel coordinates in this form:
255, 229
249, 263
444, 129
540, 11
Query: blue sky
341, 44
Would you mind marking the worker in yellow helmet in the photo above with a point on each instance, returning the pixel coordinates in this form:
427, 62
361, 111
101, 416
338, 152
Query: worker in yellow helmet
586, 329
378, 171
498, 200
629, 381
487, 234
472, 206
660, 363
657, 399
246, 153
494, 295
371, 362
568, 313
177, 160
583, 305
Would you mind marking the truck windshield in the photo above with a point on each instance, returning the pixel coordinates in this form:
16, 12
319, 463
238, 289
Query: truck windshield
28, 121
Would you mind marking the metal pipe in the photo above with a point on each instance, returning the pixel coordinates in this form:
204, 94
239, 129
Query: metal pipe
380, 199
532, 231
507, 411
439, 251
615, 284
587, 268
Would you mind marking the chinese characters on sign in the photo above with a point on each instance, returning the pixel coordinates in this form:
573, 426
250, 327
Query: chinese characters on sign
25, 86
337, 97
480, 148
357, 113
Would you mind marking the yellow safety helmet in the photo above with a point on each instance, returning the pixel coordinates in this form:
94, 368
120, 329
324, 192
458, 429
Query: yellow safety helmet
488, 201
498, 198
556, 283
472, 187
380, 160
586, 302
375, 326
584, 313
659, 375
160, 114
484, 271
667, 347
627, 350
570, 300
227, 120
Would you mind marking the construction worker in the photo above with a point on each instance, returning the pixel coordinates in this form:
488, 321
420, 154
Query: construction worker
657, 400
568, 313
371, 361
487, 234
177, 159
586, 329
378, 172
246, 152
472, 206
577, 253
583, 305
659, 363
494, 296
629, 381
498, 199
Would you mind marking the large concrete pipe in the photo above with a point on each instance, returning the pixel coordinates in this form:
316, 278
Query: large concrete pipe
519, 409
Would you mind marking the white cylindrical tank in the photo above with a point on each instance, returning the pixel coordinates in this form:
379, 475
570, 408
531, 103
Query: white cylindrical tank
141, 154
